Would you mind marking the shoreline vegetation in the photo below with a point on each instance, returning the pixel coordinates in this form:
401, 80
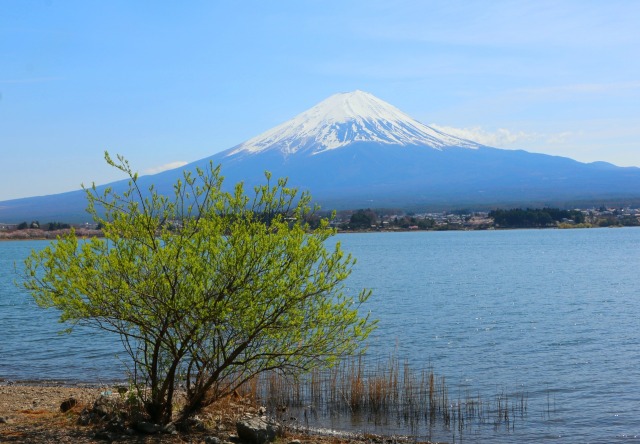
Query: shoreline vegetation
373, 401
39, 234
467, 220
391, 220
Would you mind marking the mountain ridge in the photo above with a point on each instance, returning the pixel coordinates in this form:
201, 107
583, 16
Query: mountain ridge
354, 150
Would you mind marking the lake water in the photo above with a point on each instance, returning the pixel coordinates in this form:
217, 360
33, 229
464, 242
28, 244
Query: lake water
554, 314
32, 346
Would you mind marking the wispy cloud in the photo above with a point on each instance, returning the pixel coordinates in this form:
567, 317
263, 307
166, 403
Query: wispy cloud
499, 138
560, 138
165, 167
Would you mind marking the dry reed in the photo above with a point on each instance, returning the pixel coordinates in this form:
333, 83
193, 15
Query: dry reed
378, 394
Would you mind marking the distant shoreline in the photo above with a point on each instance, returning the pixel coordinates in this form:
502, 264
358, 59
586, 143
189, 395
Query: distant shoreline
37, 234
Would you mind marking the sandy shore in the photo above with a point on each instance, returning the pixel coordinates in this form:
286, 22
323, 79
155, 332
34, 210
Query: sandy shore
31, 414
16, 398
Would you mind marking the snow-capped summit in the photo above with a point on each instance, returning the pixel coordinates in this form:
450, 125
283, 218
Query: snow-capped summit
354, 150
346, 118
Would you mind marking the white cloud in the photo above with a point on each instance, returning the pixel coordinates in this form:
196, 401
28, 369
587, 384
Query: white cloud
560, 138
165, 167
499, 138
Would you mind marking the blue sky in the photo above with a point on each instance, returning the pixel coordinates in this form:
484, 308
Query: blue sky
170, 82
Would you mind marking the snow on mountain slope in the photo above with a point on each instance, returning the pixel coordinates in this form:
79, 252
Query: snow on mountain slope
346, 118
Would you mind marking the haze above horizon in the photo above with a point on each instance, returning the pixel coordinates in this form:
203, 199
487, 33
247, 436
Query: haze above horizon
164, 84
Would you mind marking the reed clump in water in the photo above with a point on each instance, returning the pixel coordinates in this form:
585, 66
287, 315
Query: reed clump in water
386, 393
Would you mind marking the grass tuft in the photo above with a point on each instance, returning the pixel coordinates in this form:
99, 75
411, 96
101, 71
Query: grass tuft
380, 394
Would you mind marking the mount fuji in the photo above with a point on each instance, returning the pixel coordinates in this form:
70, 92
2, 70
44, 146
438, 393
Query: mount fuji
354, 150
345, 119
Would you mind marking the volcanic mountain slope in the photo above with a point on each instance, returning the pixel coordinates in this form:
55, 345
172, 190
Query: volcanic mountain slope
354, 150
345, 119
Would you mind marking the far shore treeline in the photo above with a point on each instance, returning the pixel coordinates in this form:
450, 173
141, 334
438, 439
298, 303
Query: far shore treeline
398, 220
393, 220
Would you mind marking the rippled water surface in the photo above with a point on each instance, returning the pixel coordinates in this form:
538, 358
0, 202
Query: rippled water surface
32, 343
553, 313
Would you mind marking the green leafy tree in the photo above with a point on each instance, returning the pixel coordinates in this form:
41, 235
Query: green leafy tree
545, 217
207, 288
427, 223
52, 226
363, 219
